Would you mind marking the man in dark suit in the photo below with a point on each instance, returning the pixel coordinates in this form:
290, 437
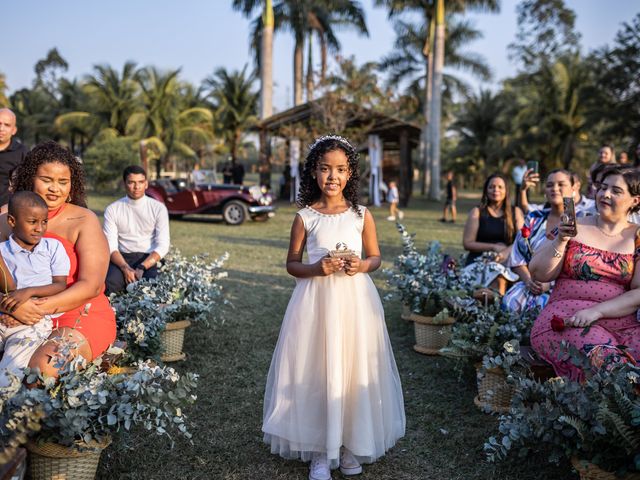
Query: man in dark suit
12, 151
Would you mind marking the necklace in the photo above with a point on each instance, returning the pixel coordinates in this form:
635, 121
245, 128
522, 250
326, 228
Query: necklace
612, 235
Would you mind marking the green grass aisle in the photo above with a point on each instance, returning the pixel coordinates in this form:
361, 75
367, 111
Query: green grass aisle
445, 431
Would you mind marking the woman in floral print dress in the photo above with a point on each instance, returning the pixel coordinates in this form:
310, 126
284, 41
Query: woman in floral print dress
596, 265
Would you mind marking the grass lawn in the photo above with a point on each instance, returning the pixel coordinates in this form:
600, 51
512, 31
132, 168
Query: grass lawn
445, 431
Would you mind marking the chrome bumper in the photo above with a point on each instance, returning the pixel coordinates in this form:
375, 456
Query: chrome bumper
259, 209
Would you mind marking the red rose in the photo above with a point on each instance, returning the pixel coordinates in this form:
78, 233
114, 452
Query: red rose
557, 323
525, 231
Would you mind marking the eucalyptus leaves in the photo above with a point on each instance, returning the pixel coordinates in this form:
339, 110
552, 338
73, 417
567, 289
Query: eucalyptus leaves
597, 421
423, 281
185, 288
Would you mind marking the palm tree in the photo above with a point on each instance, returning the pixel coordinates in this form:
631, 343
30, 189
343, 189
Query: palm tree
265, 53
303, 18
168, 127
114, 95
551, 109
480, 127
235, 104
433, 50
407, 63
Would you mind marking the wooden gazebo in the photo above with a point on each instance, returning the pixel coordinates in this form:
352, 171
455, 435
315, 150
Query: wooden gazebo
395, 139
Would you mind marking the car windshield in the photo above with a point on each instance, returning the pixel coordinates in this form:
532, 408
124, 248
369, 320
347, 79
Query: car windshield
204, 177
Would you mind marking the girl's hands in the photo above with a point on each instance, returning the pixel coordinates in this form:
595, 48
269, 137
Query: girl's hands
330, 265
583, 318
353, 265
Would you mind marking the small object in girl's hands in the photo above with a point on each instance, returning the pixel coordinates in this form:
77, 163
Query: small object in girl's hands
525, 231
557, 323
341, 251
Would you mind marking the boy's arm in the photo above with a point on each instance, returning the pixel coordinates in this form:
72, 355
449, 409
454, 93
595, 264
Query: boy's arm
454, 193
15, 298
57, 285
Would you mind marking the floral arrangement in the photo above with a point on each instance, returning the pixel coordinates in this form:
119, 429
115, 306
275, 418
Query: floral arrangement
87, 405
483, 330
184, 289
597, 421
426, 281
508, 360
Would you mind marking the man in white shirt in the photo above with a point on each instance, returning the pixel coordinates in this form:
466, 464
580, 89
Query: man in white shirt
137, 229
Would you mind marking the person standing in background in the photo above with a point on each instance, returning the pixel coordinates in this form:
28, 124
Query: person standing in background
450, 202
393, 198
12, 151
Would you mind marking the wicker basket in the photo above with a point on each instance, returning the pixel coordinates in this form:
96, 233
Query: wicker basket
430, 336
589, 471
172, 341
52, 461
494, 393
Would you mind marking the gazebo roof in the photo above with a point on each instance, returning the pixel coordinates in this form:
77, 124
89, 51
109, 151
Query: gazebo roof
388, 128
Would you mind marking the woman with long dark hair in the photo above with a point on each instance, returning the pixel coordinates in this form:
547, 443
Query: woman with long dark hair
492, 226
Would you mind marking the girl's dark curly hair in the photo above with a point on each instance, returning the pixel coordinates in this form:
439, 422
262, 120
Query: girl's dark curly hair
50, 152
309, 189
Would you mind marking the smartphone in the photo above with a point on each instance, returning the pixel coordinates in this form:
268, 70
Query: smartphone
532, 165
569, 215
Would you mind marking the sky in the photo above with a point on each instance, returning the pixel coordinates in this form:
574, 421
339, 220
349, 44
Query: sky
199, 36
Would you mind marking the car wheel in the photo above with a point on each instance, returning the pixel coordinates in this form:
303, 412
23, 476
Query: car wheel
234, 212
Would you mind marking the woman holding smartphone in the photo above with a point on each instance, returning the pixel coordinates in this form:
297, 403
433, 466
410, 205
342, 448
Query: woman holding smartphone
592, 263
542, 225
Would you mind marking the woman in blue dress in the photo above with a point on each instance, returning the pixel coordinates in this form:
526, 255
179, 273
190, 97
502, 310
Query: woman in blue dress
542, 225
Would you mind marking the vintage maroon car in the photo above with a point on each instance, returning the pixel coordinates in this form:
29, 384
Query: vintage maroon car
235, 203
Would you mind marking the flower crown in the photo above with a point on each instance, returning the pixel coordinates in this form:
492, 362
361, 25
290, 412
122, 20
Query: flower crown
331, 137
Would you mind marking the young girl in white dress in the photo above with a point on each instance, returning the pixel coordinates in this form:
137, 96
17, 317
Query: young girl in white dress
333, 393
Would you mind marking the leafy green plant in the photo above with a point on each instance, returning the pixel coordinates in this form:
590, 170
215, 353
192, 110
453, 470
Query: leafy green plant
483, 330
17, 422
424, 282
597, 420
88, 405
186, 288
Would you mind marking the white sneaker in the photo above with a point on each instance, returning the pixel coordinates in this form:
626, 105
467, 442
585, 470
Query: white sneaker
391, 218
348, 463
319, 469
400, 215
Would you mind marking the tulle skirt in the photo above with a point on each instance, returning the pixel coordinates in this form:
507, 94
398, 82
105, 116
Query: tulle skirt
333, 380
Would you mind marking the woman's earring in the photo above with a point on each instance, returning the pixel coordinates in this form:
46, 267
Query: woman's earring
69, 199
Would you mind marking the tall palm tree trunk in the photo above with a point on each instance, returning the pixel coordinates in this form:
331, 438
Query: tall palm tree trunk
266, 89
310, 68
436, 100
297, 71
425, 138
266, 62
323, 58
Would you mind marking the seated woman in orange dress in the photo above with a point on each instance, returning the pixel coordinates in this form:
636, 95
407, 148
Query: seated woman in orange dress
53, 172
